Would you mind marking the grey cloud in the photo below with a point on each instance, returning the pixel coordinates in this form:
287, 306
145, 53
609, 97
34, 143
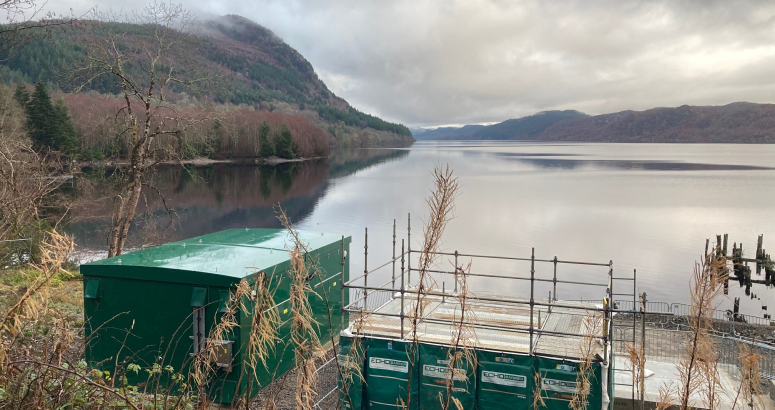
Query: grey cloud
424, 62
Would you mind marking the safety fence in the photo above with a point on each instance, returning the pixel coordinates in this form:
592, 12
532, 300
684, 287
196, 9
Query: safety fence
671, 345
683, 310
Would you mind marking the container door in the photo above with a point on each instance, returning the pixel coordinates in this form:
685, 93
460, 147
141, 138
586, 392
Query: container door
440, 385
387, 376
351, 355
199, 325
559, 384
502, 381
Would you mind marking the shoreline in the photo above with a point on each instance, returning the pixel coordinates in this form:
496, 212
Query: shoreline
198, 162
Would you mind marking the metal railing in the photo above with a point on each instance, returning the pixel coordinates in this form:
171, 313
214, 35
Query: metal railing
683, 310
367, 299
670, 345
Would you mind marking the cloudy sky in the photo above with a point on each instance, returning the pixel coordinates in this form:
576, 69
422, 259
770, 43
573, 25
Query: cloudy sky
440, 62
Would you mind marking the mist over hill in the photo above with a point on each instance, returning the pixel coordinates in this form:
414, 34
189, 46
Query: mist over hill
251, 67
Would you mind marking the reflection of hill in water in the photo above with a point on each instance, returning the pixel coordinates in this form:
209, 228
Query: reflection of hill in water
210, 199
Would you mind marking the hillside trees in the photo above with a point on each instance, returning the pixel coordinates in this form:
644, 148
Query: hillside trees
65, 139
21, 95
359, 119
254, 68
49, 124
284, 143
266, 146
27, 181
237, 136
25, 21
146, 115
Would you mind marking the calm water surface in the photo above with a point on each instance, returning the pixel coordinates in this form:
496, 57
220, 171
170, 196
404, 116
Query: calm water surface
644, 206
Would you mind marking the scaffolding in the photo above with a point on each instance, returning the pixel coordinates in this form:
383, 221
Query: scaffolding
529, 325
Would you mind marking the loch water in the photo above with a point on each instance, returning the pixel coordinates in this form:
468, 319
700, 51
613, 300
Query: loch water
648, 207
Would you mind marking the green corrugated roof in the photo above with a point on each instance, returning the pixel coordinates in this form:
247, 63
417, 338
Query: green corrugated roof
215, 258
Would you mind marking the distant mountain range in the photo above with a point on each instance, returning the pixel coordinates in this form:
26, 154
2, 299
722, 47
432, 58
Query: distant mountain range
740, 122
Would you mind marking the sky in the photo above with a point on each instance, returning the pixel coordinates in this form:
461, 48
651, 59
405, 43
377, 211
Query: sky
427, 63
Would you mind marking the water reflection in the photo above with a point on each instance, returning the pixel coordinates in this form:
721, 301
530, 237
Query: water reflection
644, 206
224, 196
571, 164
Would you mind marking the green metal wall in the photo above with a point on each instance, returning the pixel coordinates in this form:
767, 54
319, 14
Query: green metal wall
150, 321
495, 381
325, 299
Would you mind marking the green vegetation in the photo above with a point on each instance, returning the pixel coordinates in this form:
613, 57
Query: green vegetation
284, 144
49, 124
254, 66
356, 118
266, 149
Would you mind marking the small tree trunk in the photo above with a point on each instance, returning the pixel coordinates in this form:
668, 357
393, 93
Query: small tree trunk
128, 206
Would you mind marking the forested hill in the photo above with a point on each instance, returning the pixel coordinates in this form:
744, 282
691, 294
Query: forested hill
732, 123
254, 67
519, 128
740, 122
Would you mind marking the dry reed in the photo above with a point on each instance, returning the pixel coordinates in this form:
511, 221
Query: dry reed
592, 325
636, 361
698, 372
34, 301
750, 390
463, 341
441, 210
264, 324
538, 400
351, 365
307, 346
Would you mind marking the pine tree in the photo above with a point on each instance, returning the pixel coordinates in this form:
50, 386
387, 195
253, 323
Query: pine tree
41, 117
285, 144
21, 95
65, 139
266, 149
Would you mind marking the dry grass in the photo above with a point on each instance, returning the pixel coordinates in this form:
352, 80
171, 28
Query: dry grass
307, 346
34, 301
264, 324
591, 325
204, 366
463, 341
750, 390
666, 394
350, 368
698, 368
441, 211
538, 400
636, 359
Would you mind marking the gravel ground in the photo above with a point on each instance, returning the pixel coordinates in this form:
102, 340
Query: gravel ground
760, 333
283, 391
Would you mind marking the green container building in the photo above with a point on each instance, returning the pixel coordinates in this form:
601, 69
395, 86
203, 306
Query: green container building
500, 368
157, 305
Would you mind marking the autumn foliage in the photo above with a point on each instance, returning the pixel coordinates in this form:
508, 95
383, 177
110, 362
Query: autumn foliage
225, 132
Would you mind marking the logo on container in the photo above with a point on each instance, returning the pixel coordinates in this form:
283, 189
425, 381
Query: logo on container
441, 372
504, 379
392, 365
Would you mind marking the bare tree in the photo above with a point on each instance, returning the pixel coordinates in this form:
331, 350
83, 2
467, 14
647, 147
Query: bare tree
27, 180
26, 20
148, 69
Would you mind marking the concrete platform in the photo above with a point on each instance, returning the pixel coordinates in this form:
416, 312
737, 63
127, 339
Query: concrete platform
497, 325
666, 373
